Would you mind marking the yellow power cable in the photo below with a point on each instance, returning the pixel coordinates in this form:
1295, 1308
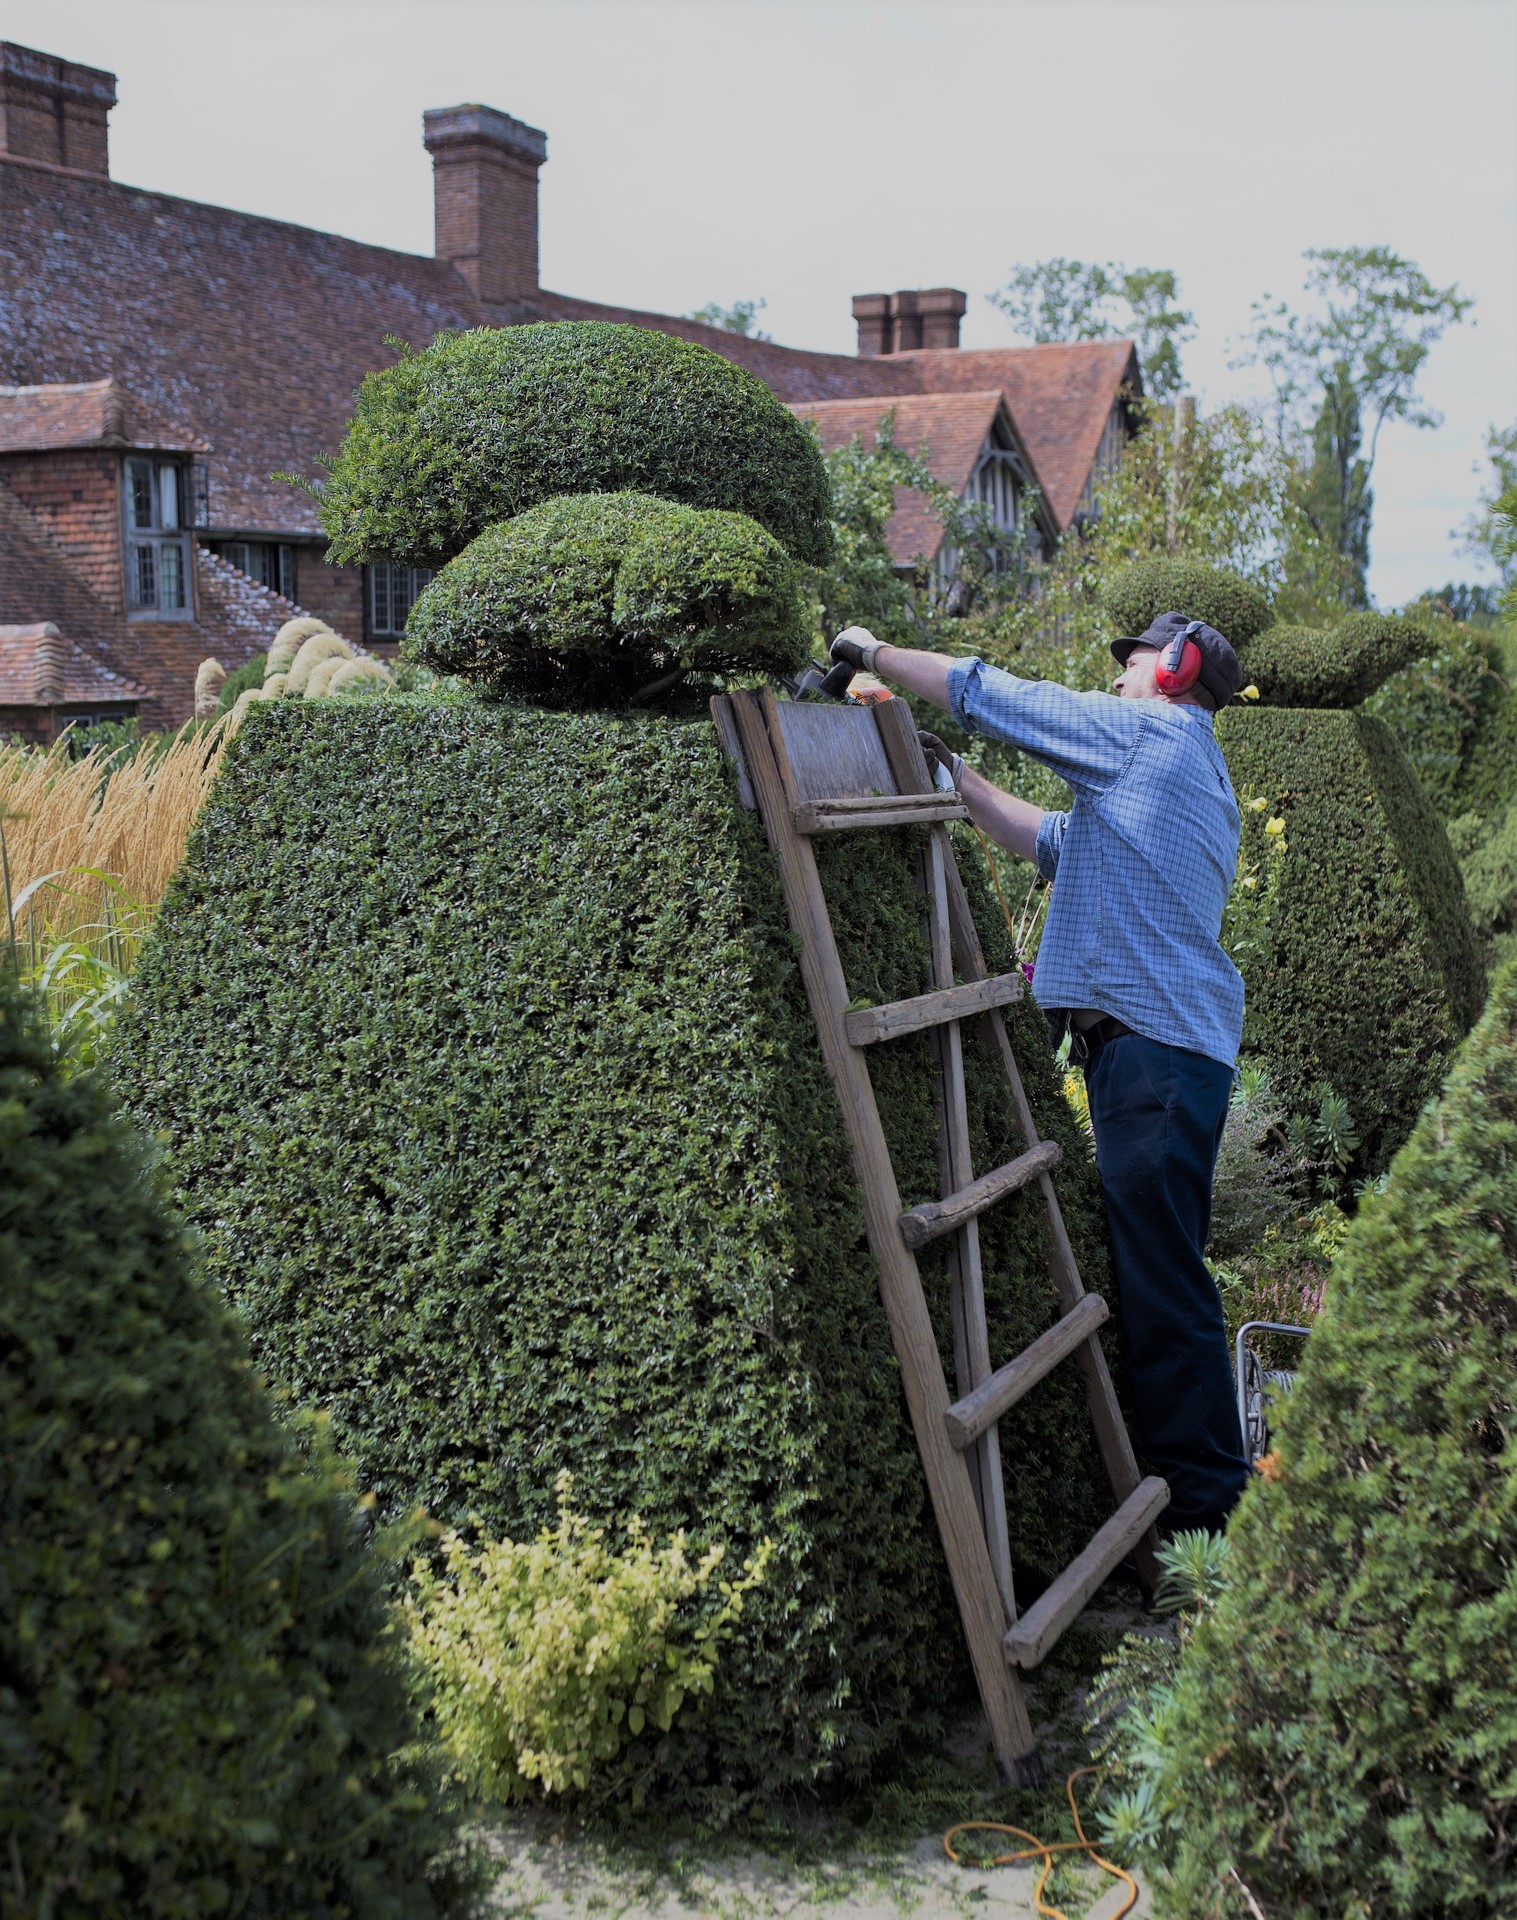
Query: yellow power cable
1045, 1851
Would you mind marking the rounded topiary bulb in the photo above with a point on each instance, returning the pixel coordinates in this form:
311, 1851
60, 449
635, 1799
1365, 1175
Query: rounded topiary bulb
1223, 599
594, 598
1334, 666
487, 424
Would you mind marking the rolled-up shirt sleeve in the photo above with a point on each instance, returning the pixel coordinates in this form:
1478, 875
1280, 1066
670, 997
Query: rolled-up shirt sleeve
1085, 738
1051, 831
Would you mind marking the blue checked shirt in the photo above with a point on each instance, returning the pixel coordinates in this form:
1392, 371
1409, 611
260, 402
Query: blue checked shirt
1144, 859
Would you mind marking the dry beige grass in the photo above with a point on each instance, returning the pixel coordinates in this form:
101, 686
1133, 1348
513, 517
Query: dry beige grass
60, 815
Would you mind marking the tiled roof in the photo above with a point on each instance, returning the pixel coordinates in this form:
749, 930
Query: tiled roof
86, 680
1059, 397
89, 413
38, 582
238, 609
255, 333
949, 429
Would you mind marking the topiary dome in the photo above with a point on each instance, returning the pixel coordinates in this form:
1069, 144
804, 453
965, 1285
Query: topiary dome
585, 600
486, 424
1335, 666
1138, 594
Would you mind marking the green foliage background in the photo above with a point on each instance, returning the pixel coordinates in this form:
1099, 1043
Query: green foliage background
483, 425
197, 1712
1345, 1732
486, 1073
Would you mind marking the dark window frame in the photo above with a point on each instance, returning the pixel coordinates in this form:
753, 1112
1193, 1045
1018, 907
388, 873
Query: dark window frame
386, 588
157, 540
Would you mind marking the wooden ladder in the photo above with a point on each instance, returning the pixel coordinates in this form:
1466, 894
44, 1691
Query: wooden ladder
811, 769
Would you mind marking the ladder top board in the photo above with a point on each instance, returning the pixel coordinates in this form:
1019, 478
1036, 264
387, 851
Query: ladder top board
834, 752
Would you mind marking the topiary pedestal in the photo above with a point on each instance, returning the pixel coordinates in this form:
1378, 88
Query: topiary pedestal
485, 1071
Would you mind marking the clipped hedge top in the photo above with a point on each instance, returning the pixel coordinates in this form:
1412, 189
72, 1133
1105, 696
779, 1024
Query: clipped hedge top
486, 424
1345, 1726
489, 1081
1138, 594
196, 1715
1335, 666
590, 599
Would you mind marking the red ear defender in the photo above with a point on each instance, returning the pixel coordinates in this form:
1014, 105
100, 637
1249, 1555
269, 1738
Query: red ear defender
1179, 664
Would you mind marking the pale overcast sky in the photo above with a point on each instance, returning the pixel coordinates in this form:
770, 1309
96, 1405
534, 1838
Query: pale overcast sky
804, 153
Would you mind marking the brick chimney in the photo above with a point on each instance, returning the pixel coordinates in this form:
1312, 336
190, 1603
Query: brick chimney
484, 193
901, 322
54, 110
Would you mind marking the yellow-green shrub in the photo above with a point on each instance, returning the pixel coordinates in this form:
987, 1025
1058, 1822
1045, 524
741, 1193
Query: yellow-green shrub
547, 1660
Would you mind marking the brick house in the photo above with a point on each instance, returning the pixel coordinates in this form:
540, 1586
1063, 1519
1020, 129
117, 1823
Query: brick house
161, 359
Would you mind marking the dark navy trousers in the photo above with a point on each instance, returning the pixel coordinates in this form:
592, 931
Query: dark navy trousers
1158, 1113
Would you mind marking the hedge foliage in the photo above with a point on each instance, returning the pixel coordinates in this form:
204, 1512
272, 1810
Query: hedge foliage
1138, 594
484, 424
1335, 666
587, 599
197, 1714
1345, 1731
480, 1045
1366, 976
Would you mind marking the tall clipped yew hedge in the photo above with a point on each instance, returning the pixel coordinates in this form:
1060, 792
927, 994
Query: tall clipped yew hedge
487, 1076
1344, 1738
196, 1714
483, 425
1366, 975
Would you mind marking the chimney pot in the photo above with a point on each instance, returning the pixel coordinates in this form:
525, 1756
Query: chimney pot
914, 317
872, 312
54, 110
484, 190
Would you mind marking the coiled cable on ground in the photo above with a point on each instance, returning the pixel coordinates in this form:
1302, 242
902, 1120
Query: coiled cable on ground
1046, 1851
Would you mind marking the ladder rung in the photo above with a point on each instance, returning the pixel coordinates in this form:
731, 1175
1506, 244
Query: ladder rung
968, 1418
877, 810
1048, 1616
938, 1217
867, 1024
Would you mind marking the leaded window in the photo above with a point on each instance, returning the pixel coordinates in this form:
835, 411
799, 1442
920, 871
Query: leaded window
157, 543
392, 591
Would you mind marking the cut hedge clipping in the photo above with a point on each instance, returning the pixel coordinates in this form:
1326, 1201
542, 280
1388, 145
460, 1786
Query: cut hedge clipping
591, 599
196, 1713
1138, 594
486, 424
1335, 666
1367, 976
480, 1045
1344, 1735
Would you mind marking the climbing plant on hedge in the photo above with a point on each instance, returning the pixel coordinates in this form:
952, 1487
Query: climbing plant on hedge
195, 1712
489, 1082
1365, 974
589, 599
1344, 1736
485, 424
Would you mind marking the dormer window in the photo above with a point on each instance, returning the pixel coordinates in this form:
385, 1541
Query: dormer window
157, 544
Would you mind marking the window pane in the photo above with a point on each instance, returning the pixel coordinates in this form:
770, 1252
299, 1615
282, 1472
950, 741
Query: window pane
168, 496
171, 574
379, 598
144, 574
139, 493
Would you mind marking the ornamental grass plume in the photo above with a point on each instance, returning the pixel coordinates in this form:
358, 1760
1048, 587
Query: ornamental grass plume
313, 651
210, 676
75, 830
288, 642
349, 674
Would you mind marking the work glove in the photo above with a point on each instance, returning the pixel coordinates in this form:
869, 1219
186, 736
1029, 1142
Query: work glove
939, 754
857, 646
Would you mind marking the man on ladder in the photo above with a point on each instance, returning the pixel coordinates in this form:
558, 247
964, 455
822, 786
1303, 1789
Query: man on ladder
1130, 964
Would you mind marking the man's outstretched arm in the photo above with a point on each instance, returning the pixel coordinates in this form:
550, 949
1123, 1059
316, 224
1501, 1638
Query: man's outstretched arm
1001, 816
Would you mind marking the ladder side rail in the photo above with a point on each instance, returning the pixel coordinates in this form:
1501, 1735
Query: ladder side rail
926, 1390
961, 1173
